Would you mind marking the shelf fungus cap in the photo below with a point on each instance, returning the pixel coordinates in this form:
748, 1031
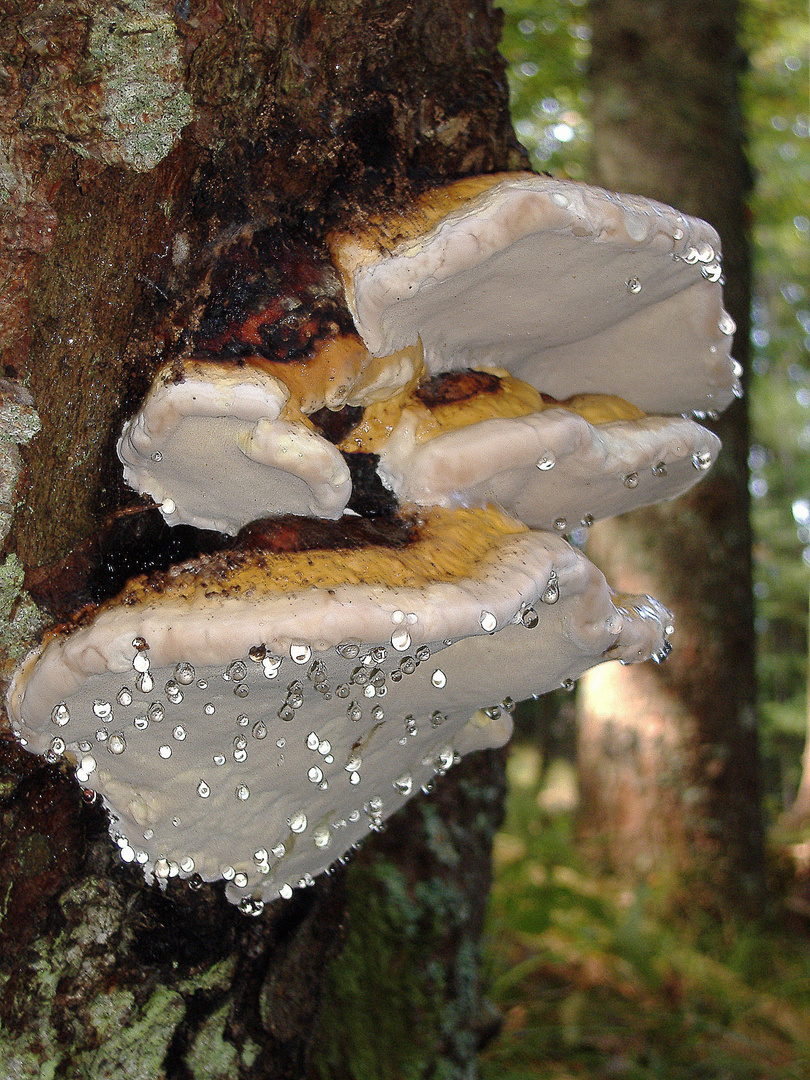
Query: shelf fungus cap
213, 446
572, 288
553, 470
243, 721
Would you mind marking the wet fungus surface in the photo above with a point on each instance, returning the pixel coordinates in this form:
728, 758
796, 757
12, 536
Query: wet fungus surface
357, 559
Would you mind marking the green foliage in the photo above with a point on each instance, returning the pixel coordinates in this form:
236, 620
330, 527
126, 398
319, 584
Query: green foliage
593, 984
546, 43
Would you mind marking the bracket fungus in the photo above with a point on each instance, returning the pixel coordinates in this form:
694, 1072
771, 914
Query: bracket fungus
252, 713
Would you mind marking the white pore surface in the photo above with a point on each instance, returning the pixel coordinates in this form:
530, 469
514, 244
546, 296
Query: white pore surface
551, 469
572, 288
258, 742
212, 452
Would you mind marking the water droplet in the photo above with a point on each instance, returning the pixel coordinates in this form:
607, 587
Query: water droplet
57, 747
140, 723
401, 640
270, 666
298, 823
546, 462
157, 456
551, 593
259, 730
314, 775
236, 671
242, 690
140, 661
631, 480
219, 759
173, 692
117, 744
285, 892
567, 684
354, 778
342, 691
348, 650
203, 790
422, 653
102, 709
438, 678
702, 460
179, 733
257, 653
156, 712
325, 747
184, 674
691, 255
659, 469
145, 683
286, 712
242, 792
560, 524
712, 272
300, 654
633, 285
165, 751
404, 785
279, 851
124, 696
726, 325
227, 872
322, 837
529, 617
60, 714
407, 665
587, 521
354, 712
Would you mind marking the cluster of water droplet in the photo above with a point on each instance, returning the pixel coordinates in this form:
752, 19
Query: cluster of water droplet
212, 741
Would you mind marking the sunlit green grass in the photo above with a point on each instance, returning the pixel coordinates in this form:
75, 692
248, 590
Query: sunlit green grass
593, 985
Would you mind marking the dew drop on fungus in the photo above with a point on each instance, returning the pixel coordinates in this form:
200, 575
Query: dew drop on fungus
438, 678
631, 480
659, 469
242, 720
348, 650
140, 662
285, 892
403, 784
203, 790
560, 524
314, 775
165, 751
702, 460
259, 730
354, 712
144, 682
60, 714
179, 733
298, 823
236, 671
300, 654
423, 653
242, 792
401, 640
279, 851
529, 617
117, 744
546, 462
102, 709
633, 285
321, 837
124, 696
173, 692
140, 723
184, 674
155, 712
488, 621
551, 593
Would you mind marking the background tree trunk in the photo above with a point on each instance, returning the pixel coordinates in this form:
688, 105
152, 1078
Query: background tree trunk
667, 757
136, 138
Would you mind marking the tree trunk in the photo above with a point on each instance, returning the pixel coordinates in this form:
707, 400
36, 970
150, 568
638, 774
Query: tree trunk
668, 757
137, 138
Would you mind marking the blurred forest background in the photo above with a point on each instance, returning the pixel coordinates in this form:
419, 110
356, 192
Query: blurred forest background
612, 976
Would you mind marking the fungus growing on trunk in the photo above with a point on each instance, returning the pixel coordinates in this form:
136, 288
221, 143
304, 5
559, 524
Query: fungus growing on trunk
251, 713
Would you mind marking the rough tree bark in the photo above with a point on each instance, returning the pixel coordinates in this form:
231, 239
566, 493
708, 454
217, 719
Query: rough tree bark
135, 138
668, 757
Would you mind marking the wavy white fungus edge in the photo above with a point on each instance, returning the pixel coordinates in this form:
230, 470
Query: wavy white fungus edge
548, 468
572, 288
209, 445
259, 741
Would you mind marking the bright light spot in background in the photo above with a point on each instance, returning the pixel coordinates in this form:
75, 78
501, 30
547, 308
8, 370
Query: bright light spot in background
563, 132
801, 511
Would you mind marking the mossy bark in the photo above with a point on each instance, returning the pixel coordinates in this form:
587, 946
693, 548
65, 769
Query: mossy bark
139, 136
668, 757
